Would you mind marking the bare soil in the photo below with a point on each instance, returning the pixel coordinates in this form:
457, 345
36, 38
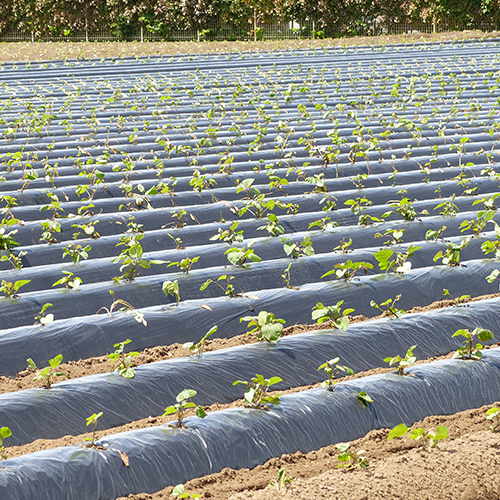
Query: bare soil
102, 364
465, 466
43, 51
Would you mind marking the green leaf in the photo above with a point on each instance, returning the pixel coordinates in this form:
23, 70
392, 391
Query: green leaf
483, 334
170, 410
398, 431
55, 362
31, 364
274, 380
416, 433
272, 332
185, 394
442, 432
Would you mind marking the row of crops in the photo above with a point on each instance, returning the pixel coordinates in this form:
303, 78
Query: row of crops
152, 201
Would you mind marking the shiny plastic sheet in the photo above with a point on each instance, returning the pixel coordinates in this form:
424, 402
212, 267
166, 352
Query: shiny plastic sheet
244, 438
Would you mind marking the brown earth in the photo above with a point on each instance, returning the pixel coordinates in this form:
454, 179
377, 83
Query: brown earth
102, 364
42, 51
465, 466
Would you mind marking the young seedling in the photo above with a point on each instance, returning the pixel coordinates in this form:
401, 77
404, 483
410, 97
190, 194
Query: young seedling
46, 375
5, 432
182, 405
286, 278
185, 265
395, 261
296, 250
127, 308
265, 325
363, 398
282, 481
42, 318
198, 347
10, 289
179, 492
348, 459
332, 369
338, 318
126, 367
228, 289
493, 415
171, 288
469, 350
430, 438
402, 363
92, 420
457, 301
229, 235
76, 252
451, 256
238, 256
435, 235
391, 310
256, 393
493, 276
395, 235
347, 270
344, 246
15, 259
69, 281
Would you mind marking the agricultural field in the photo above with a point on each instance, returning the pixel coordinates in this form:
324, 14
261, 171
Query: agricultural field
218, 262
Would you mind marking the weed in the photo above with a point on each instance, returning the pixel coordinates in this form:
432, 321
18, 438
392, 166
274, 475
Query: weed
265, 325
171, 288
42, 318
456, 301
391, 310
469, 350
338, 318
348, 459
282, 481
179, 492
125, 368
332, 369
5, 432
10, 289
402, 363
198, 347
493, 415
256, 393
93, 420
430, 438
46, 375
347, 270
182, 405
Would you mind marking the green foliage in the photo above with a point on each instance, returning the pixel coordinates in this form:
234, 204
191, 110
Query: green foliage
198, 347
76, 252
348, 459
265, 325
430, 438
338, 318
273, 227
389, 304
10, 289
435, 235
238, 256
179, 492
47, 374
447, 207
332, 369
493, 415
50, 228
125, 367
5, 432
451, 256
344, 247
182, 404
395, 235
229, 235
395, 261
15, 259
171, 288
456, 301
469, 349
69, 281
228, 289
7, 241
92, 420
403, 208
402, 363
296, 250
347, 270
184, 265
363, 398
256, 392
86, 230
282, 481
42, 318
